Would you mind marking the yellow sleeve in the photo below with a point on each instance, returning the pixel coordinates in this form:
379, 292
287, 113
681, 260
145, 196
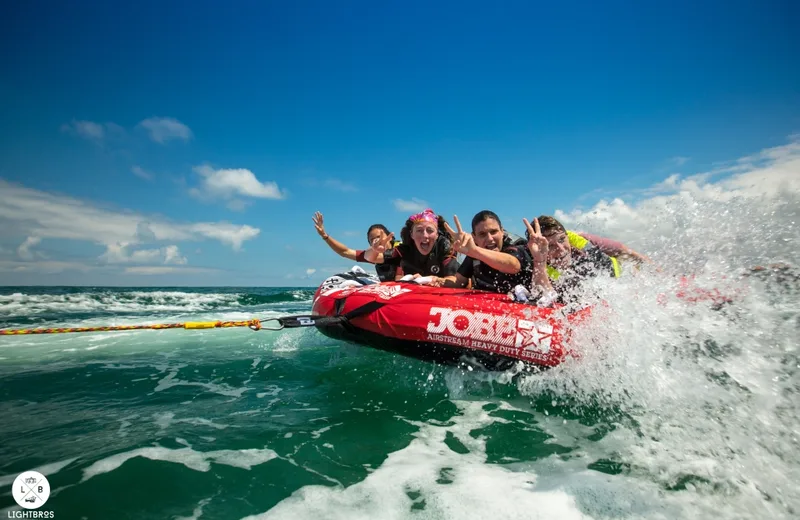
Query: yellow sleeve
615, 265
576, 241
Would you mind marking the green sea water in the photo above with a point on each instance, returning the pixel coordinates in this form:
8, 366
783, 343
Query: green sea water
674, 412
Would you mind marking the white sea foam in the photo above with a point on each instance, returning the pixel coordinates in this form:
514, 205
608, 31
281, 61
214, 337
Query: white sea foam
170, 381
166, 419
195, 460
198, 511
21, 304
128, 304
47, 470
704, 400
427, 479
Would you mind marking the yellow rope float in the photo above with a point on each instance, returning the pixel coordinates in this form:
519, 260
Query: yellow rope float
254, 324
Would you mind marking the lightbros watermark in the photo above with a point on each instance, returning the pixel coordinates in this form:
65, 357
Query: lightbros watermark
31, 490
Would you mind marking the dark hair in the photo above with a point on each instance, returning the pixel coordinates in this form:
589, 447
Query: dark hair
444, 237
377, 226
549, 225
484, 215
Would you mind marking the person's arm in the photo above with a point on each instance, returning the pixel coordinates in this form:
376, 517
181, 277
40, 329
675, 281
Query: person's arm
615, 248
458, 281
601, 261
538, 247
375, 253
373, 257
339, 248
498, 260
461, 278
465, 243
540, 281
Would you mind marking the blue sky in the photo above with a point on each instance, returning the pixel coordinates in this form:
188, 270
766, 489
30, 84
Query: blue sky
189, 143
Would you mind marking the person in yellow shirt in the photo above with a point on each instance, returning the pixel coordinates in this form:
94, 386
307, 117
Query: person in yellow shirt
572, 258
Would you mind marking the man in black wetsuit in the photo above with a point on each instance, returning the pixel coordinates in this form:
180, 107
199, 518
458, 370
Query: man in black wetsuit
495, 263
571, 259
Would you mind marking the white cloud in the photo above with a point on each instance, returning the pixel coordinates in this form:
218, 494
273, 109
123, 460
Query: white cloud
163, 129
679, 161
46, 215
172, 255
144, 233
229, 234
410, 205
24, 250
121, 253
142, 173
310, 272
43, 266
55, 267
228, 184
748, 216
92, 131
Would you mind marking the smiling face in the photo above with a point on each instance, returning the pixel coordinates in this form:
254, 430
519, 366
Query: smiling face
375, 233
559, 253
488, 234
424, 235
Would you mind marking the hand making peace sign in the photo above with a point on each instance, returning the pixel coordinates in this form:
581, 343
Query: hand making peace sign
537, 243
462, 242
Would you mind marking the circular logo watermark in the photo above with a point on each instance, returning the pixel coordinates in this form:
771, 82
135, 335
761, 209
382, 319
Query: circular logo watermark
31, 490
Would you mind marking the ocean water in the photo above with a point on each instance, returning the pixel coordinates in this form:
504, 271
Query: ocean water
675, 410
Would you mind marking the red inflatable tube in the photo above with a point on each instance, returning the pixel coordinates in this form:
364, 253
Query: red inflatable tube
449, 325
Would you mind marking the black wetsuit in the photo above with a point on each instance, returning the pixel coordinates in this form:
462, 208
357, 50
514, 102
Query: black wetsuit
408, 260
486, 278
386, 272
588, 262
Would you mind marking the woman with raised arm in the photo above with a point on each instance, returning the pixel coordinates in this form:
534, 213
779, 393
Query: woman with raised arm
375, 232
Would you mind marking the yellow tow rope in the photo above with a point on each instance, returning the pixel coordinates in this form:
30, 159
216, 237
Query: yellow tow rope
254, 324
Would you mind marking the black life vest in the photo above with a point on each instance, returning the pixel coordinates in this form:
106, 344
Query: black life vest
431, 264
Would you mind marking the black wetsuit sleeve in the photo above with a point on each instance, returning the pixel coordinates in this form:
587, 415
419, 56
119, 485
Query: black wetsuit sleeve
506, 282
600, 261
392, 257
520, 253
467, 269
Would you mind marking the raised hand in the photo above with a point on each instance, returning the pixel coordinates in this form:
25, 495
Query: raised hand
537, 243
462, 242
319, 225
381, 245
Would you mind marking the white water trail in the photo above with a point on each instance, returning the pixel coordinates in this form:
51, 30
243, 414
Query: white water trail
700, 399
